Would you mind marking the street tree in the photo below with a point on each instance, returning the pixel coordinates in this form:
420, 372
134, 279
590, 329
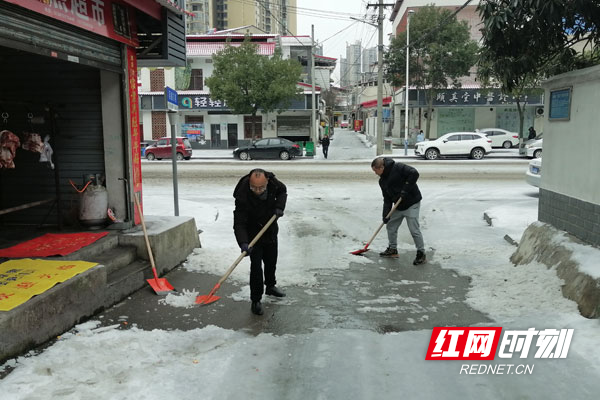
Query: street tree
441, 52
249, 82
528, 40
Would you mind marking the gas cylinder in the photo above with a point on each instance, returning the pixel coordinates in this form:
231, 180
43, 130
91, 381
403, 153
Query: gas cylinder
93, 204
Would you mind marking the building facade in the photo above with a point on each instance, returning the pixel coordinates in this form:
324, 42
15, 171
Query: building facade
274, 16
471, 106
208, 122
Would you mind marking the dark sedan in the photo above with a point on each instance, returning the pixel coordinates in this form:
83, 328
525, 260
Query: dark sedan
268, 148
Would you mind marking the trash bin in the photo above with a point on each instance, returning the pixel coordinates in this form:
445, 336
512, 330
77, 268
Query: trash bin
310, 148
301, 144
387, 145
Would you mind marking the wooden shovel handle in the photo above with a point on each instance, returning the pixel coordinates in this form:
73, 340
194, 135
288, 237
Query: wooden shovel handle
381, 225
243, 254
137, 203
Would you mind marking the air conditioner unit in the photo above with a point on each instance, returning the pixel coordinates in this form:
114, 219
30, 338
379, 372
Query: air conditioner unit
539, 111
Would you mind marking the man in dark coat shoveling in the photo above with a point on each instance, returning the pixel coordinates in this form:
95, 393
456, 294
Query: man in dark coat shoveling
259, 196
399, 181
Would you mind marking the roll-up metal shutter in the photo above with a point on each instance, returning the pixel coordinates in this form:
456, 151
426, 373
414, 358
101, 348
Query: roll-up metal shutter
25, 30
64, 100
298, 125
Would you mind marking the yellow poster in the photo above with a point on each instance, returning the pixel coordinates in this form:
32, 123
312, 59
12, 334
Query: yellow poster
22, 279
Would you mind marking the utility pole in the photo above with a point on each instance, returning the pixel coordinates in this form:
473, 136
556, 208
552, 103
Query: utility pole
313, 117
380, 81
380, 6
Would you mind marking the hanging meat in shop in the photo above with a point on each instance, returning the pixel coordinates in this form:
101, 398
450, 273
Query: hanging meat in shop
9, 143
32, 142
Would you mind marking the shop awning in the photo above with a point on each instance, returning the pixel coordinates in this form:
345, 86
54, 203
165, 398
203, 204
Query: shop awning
373, 103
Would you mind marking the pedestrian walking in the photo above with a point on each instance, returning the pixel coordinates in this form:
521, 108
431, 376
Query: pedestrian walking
420, 136
399, 181
532, 133
259, 196
325, 144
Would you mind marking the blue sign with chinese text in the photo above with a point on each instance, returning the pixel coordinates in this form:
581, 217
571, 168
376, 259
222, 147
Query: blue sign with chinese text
171, 99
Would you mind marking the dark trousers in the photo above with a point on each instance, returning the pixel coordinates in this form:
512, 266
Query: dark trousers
325, 150
266, 253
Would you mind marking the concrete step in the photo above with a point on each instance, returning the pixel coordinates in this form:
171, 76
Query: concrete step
115, 258
126, 280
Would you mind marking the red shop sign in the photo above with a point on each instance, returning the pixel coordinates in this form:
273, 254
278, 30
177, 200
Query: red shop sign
109, 18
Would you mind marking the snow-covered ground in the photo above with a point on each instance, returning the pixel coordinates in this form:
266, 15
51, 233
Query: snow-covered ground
325, 220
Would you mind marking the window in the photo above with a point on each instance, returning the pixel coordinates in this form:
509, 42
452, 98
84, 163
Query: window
196, 82
453, 138
469, 137
248, 127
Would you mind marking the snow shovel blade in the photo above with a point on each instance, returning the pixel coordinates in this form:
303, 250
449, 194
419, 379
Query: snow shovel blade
209, 298
206, 299
160, 285
360, 251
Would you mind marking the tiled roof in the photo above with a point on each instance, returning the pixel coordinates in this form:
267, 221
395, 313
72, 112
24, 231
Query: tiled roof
208, 49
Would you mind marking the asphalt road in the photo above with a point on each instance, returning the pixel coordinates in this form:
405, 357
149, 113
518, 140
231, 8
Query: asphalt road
341, 299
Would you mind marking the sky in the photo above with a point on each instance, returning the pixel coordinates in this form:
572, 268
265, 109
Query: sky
331, 16
105, 362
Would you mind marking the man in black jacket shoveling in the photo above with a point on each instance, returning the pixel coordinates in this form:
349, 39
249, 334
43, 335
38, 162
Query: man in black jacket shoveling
259, 196
399, 181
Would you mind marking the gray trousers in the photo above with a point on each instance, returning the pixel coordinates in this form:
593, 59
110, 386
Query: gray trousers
412, 220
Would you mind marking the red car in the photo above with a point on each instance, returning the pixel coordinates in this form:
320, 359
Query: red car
162, 149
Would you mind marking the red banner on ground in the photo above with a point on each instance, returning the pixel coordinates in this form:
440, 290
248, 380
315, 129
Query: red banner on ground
52, 244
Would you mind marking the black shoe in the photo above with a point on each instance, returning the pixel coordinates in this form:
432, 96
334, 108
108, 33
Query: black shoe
389, 252
420, 258
257, 308
274, 291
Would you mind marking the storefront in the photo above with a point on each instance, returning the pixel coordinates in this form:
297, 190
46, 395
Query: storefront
69, 104
210, 124
467, 109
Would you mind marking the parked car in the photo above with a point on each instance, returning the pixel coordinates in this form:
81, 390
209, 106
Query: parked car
533, 176
268, 148
344, 124
472, 144
538, 137
144, 144
501, 137
534, 148
162, 149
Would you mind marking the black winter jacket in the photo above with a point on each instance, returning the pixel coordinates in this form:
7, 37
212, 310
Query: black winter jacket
252, 213
399, 180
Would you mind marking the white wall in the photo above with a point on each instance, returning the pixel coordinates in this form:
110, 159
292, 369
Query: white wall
484, 118
571, 161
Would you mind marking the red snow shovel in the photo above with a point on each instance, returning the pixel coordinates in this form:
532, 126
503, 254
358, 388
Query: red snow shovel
210, 298
160, 285
366, 248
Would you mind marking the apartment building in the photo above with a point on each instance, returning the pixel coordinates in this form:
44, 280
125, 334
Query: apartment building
271, 16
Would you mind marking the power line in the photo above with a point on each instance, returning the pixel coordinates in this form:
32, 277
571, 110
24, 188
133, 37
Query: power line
338, 32
341, 16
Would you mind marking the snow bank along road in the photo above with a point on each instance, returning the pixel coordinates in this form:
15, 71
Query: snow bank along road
302, 170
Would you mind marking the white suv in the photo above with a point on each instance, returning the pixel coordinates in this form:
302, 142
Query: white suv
471, 144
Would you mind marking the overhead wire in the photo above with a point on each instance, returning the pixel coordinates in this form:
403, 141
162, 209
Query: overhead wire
301, 11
